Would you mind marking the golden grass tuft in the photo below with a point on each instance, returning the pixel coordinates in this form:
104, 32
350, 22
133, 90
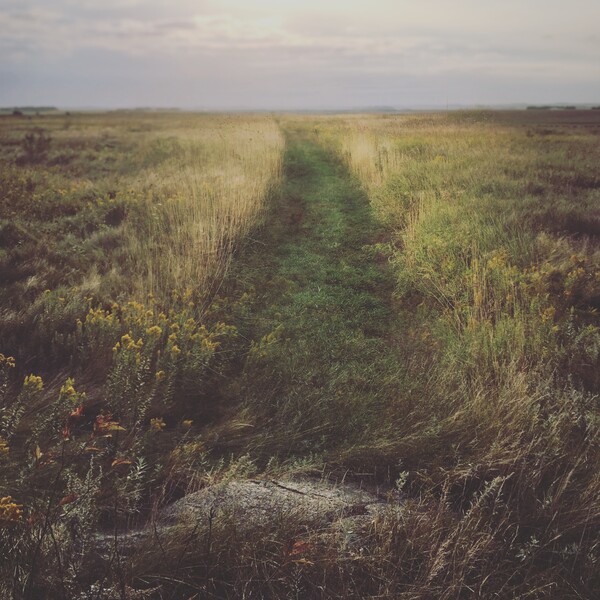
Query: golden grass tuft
196, 206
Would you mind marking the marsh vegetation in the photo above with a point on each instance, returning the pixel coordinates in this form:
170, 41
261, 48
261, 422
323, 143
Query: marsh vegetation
407, 303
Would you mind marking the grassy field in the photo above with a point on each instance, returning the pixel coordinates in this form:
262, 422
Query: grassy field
408, 302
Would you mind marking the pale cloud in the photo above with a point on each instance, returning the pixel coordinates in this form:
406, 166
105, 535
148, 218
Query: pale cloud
335, 42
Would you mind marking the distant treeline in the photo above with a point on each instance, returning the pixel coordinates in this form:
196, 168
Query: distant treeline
554, 107
28, 109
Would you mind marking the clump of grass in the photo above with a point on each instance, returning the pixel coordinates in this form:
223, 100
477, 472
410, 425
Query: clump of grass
476, 410
144, 205
35, 147
504, 321
121, 376
195, 207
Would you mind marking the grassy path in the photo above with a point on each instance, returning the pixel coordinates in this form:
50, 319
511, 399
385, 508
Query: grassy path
323, 364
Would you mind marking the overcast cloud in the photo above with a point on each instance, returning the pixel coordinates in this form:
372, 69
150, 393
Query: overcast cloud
297, 54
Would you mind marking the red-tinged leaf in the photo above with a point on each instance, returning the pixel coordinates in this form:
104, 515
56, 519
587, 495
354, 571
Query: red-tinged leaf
66, 432
93, 449
299, 547
78, 412
105, 423
120, 461
68, 499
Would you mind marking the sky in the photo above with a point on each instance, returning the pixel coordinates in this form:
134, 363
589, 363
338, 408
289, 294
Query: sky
298, 54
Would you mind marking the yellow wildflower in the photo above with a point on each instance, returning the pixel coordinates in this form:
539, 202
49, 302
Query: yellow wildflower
10, 512
160, 375
209, 345
187, 423
157, 424
175, 351
68, 391
3, 446
548, 314
33, 383
9, 361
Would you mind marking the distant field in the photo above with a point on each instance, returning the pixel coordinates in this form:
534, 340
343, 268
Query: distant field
558, 118
196, 181
408, 303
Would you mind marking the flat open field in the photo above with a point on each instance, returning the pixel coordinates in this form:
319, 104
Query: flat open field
405, 304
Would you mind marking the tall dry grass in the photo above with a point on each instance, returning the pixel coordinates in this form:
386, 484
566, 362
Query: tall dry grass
493, 240
137, 216
195, 206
